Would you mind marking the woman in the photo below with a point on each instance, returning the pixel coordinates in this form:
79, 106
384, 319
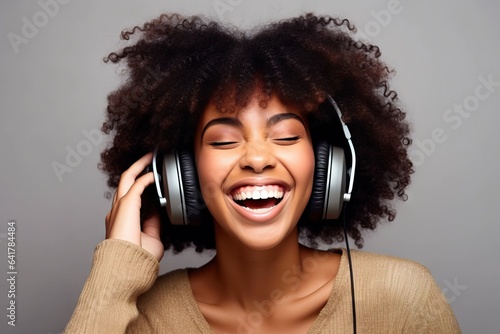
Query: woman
251, 113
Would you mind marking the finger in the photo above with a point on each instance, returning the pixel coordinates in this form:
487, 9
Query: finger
125, 216
139, 185
128, 177
107, 220
151, 226
107, 224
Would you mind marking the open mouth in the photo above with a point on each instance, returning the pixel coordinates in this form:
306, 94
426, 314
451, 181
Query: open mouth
258, 197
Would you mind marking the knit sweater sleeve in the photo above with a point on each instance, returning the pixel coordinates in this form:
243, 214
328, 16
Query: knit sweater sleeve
121, 271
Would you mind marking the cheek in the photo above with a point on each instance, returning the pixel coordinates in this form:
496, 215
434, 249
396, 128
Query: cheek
306, 170
302, 166
212, 171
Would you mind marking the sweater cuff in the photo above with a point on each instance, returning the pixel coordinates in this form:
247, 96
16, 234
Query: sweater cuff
123, 269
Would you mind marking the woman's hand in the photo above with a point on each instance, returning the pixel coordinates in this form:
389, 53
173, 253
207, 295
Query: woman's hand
123, 220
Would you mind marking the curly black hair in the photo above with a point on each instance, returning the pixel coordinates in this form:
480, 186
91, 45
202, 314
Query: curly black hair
176, 65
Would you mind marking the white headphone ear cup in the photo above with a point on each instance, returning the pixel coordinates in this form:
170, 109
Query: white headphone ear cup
184, 202
327, 195
173, 189
336, 183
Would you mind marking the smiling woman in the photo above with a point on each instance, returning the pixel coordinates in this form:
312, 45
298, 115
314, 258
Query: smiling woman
252, 114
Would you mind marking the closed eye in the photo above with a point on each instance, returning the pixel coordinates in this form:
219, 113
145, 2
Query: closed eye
221, 143
288, 139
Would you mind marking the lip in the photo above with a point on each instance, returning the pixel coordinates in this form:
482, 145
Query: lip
260, 216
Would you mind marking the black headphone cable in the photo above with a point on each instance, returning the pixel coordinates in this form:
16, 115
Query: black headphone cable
350, 271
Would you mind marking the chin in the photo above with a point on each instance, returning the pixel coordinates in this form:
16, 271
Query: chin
261, 245
263, 238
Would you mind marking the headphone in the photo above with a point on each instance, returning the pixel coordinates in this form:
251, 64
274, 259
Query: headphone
178, 189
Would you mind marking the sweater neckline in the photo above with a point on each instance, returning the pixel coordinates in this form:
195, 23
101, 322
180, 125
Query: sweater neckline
339, 284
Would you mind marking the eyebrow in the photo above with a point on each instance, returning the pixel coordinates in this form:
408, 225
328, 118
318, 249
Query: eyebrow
284, 116
233, 121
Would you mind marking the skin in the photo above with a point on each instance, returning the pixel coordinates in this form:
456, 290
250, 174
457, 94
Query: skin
261, 280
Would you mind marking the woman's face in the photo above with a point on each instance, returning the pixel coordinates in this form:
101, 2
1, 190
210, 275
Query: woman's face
255, 169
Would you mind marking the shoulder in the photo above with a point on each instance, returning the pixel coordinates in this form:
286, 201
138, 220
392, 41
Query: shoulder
386, 264
392, 277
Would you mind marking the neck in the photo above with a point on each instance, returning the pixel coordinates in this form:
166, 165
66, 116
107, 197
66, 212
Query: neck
248, 275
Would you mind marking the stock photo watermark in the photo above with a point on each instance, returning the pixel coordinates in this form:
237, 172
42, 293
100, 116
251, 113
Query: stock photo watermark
30, 26
74, 156
453, 290
381, 19
223, 6
454, 117
93, 138
11, 272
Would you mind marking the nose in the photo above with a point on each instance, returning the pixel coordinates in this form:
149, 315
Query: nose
258, 157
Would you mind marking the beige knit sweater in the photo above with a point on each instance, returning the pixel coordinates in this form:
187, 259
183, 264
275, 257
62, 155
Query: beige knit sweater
123, 295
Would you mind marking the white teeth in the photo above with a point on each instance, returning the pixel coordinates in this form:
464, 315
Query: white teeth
255, 194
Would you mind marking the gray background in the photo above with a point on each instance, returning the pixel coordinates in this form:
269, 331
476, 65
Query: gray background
54, 88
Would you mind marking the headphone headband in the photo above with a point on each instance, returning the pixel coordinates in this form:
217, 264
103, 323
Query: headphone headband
347, 135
